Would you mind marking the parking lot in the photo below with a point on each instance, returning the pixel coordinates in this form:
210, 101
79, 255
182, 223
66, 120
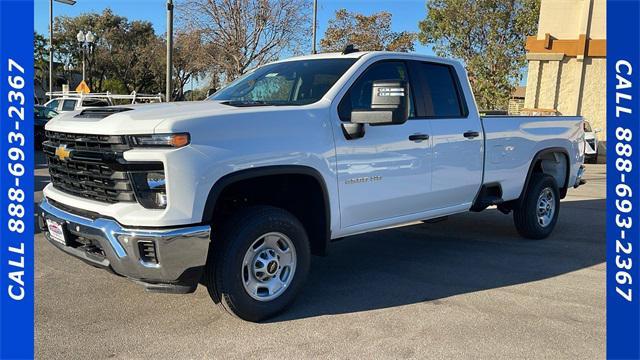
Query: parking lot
468, 287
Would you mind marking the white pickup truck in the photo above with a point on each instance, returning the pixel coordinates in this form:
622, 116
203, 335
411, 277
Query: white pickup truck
237, 191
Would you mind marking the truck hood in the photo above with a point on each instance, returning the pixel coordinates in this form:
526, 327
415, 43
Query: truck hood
136, 119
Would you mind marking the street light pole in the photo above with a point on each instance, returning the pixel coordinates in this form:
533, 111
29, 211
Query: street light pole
169, 79
86, 42
315, 17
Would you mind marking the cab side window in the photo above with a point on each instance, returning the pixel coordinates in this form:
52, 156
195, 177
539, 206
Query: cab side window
359, 95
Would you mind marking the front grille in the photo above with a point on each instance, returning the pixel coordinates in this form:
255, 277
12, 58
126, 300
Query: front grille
83, 142
87, 174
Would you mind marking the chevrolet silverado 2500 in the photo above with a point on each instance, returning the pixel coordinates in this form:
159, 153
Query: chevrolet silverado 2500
237, 191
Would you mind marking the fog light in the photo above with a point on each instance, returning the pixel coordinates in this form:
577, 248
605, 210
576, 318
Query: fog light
156, 180
151, 189
161, 199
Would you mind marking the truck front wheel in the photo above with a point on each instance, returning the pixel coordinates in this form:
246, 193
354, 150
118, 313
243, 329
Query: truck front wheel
537, 214
259, 263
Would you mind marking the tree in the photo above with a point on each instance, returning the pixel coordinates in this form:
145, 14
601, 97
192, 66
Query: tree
188, 60
128, 52
367, 33
40, 61
243, 34
489, 36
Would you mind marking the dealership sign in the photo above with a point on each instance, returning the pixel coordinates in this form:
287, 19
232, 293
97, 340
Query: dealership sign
16, 179
623, 179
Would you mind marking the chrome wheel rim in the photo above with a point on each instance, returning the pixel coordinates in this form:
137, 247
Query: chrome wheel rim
546, 207
269, 266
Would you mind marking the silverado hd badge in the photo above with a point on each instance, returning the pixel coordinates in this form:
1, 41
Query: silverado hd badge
363, 180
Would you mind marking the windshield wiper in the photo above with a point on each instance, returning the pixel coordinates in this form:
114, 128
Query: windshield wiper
242, 103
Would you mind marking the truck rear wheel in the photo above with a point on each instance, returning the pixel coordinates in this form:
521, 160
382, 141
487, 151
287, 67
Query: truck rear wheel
259, 263
537, 214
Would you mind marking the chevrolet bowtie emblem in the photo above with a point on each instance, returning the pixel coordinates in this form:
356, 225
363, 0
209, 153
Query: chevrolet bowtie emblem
62, 153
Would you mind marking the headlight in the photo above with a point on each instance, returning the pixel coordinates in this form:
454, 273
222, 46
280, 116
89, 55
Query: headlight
161, 140
151, 189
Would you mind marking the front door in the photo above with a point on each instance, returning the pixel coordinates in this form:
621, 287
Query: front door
384, 174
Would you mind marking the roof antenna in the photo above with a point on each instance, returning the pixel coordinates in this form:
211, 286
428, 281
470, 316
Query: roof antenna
349, 49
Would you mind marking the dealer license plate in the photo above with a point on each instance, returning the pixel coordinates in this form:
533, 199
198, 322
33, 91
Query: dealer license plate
56, 232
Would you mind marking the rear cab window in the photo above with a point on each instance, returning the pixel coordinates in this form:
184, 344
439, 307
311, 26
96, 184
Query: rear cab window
95, 102
69, 105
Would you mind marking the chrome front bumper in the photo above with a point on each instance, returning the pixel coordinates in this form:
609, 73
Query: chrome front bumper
180, 253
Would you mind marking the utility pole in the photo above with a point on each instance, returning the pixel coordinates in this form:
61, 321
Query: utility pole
169, 49
315, 17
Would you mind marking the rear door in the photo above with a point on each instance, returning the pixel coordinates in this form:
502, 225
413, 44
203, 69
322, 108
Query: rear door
456, 135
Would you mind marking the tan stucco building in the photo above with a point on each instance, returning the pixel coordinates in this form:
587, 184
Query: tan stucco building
567, 59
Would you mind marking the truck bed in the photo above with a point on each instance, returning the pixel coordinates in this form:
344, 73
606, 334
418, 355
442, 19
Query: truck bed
511, 143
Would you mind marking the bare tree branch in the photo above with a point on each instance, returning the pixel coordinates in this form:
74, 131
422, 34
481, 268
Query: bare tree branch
241, 34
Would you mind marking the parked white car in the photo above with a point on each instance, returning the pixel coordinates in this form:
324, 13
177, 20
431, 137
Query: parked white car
591, 143
237, 191
76, 101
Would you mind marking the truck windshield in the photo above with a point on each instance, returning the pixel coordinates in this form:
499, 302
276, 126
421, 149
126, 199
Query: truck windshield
297, 82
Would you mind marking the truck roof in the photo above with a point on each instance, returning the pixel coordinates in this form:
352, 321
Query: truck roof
359, 54
330, 55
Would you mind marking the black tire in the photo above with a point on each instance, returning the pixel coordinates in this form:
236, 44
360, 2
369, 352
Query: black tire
224, 271
525, 216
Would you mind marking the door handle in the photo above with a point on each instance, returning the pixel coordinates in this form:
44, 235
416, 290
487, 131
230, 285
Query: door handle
418, 137
471, 134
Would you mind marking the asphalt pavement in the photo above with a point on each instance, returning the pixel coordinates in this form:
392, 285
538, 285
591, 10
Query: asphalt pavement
468, 287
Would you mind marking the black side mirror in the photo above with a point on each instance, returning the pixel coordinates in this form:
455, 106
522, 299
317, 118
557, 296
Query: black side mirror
389, 104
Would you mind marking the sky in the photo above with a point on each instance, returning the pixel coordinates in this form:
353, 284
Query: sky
406, 13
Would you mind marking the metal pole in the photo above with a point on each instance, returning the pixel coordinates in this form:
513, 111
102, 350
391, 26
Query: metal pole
169, 48
50, 48
84, 55
315, 17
